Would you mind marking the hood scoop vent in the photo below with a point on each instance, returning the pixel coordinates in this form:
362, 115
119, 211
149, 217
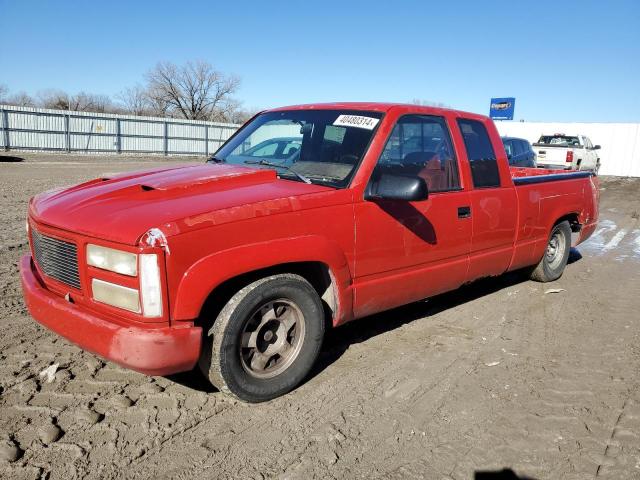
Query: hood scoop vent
207, 176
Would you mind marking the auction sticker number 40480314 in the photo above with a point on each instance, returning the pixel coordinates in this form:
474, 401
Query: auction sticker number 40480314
358, 121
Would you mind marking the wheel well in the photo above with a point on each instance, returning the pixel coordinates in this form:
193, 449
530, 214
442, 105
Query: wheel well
317, 274
572, 218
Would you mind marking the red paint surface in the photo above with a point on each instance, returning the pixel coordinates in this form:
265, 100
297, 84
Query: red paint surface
222, 221
151, 350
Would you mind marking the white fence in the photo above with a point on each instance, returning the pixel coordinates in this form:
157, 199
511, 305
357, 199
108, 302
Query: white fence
23, 128
620, 142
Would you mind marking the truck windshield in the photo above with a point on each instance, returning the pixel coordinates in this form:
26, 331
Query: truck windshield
320, 146
561, 140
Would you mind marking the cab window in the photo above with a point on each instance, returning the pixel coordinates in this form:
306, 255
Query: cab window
482, 158
421, 145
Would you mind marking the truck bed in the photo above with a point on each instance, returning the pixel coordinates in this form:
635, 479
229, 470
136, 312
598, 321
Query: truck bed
543, 196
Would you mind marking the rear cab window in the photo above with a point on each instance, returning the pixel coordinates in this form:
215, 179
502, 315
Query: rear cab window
559, 139
482, 158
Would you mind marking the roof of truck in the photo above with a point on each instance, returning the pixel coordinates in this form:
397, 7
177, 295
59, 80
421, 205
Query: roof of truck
370, 106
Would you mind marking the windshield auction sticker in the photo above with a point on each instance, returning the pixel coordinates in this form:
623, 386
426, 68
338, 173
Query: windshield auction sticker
368, 123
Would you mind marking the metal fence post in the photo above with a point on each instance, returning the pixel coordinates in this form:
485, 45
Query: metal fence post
67, 118
166, 138
206, 140
118, 145
5, 128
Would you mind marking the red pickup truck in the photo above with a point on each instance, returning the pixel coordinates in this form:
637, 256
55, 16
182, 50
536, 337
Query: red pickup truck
308, 217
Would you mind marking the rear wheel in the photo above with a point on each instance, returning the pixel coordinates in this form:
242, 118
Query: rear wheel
556, 255
265, 339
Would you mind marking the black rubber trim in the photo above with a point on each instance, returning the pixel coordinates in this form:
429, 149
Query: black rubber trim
554, 177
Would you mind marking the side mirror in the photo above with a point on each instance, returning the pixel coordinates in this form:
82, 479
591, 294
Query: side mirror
596, 147
509, 156
397, 187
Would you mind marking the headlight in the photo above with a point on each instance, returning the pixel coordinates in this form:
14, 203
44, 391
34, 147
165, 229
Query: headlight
116, 295
150, 289
117, 261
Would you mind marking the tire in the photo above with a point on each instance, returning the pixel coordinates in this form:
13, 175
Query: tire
279, 317
556, 254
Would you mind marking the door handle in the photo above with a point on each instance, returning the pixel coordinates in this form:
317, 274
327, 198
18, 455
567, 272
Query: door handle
464, 212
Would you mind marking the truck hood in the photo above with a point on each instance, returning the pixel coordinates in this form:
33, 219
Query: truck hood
122, 208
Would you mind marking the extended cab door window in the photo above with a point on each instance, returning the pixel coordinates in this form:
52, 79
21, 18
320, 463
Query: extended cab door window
482, 158
421, 145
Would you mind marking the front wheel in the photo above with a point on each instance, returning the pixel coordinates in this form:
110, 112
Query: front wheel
556, 255
266, 338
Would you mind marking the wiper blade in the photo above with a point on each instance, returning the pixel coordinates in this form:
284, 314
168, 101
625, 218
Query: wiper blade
278, 165
214, 159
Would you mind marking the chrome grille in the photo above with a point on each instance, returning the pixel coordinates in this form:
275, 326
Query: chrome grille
56, 258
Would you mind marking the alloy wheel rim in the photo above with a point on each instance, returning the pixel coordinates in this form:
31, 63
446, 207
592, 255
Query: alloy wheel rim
272, 338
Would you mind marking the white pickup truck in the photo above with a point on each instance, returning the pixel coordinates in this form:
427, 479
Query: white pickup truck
569, 152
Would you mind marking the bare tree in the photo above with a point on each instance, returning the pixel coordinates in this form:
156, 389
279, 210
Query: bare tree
91, 102
4, 91
55, 99
135, 100
20, 99
233, 112
88, 102
158, 105
195, 90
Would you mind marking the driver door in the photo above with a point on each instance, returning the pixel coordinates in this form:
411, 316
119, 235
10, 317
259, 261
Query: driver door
406, 251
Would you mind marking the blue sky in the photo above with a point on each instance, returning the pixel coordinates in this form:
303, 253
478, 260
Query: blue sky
563, 61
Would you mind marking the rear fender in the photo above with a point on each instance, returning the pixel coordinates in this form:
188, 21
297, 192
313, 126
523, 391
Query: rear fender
211, 271
552, 211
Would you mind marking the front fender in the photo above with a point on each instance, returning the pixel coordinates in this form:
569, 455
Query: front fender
211, 271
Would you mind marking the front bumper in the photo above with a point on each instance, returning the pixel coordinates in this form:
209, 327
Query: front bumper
151, 350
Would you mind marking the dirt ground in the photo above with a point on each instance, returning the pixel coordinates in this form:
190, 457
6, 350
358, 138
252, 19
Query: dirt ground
543, 379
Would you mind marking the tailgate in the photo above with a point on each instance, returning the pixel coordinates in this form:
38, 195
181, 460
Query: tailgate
553, 156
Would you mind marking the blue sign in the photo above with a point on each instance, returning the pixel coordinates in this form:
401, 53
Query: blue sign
502, 108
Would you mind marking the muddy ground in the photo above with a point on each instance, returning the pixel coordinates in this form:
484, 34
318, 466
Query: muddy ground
502, 374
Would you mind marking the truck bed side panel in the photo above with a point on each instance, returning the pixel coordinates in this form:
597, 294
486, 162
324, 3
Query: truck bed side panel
542, 204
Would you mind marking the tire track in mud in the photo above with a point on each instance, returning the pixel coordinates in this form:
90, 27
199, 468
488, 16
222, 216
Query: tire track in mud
621, 434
